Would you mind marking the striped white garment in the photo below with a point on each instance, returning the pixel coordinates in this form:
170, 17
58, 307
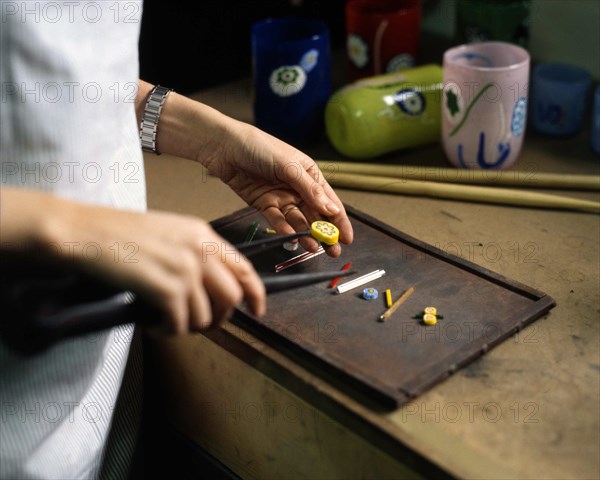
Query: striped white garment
68, 78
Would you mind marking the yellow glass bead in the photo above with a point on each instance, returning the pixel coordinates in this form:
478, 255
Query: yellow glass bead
429, 319
431, 310
388, 298
325, 232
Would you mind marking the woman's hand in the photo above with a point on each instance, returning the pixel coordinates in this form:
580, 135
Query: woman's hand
278, 180
177, 263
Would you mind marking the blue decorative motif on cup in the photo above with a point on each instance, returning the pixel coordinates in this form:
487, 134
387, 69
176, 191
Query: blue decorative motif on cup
475, 59
550, 113
519, 117
309, 60
503, 153
410, 101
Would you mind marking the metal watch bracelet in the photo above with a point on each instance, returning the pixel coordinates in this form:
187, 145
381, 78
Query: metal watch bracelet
149, 125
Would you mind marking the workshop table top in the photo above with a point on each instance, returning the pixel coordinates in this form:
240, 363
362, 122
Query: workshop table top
530, 408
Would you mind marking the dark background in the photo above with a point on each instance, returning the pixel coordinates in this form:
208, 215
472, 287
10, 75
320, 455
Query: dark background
189, 46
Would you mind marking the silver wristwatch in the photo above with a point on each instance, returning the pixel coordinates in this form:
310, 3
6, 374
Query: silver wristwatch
149, 124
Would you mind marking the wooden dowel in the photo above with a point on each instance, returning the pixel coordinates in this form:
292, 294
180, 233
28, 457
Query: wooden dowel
503, 196
468, 176
396, 304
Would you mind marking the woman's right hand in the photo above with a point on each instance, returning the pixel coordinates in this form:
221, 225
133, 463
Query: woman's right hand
174, 262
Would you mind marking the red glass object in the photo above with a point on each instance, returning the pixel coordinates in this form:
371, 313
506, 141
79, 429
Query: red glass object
382, 36
335, 281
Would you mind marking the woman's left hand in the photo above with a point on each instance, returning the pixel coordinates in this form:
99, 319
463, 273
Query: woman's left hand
280, 181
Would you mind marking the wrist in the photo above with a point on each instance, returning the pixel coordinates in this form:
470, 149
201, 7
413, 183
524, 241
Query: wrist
190, 129
151, 117
224, 144
24, 226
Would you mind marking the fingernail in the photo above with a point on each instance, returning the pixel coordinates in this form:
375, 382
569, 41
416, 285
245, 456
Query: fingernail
332, 209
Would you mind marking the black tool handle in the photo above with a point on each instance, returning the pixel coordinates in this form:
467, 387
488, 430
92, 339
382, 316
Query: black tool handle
42, 309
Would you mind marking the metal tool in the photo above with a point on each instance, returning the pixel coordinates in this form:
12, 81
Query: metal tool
258, 246
277, 283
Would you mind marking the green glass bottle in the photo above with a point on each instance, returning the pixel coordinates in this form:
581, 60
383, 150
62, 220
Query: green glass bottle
486, 20
388, 112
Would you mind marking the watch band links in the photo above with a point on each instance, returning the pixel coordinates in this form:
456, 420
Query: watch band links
150, 117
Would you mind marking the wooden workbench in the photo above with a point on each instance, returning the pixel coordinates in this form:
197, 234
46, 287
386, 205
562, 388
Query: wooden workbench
530, 408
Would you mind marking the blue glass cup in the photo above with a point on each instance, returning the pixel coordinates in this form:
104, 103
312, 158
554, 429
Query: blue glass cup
596, 122
559, 98
292, 77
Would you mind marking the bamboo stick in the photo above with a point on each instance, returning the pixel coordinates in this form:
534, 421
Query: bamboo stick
503, 196
468, 176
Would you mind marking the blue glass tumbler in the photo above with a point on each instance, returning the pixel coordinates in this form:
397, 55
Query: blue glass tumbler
559, 98
291, 77
596, 122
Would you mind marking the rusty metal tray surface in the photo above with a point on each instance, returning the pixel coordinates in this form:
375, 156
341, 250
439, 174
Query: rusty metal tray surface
339, 335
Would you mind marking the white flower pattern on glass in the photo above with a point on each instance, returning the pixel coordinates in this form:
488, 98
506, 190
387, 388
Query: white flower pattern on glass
309, 60
358, 51
399, 62
287, 80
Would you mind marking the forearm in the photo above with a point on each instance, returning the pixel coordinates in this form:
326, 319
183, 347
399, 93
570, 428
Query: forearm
165, 258
187, 128
27, 220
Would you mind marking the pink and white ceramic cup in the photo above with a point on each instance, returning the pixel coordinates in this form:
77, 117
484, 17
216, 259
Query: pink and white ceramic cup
484, 105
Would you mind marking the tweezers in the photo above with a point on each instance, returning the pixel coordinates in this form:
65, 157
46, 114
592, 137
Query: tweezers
278, 283
252, 248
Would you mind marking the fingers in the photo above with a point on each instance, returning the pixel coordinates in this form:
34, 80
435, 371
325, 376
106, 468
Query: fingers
293, 218
201, 315
191, 276
321, 201
251, 284
224, 290
204, 283
314, 190
288, 220
184, 296
333, 250
341, 219
300, 220
295, 174
277, 220
287, 177
230, 278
